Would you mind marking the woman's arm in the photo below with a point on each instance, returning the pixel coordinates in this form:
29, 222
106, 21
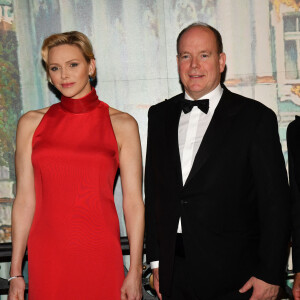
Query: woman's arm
24, 203
127, 134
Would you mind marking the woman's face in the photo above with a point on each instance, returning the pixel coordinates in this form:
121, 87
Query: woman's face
69, 71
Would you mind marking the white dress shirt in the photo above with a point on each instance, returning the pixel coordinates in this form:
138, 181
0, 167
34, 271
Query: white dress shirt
191, 130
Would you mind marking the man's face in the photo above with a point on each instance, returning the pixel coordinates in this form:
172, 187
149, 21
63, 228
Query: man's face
199, 64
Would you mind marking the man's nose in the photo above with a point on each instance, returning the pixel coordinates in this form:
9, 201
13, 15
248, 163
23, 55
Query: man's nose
195, 63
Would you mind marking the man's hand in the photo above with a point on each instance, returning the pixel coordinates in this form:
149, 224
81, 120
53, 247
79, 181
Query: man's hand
156, 282
261, 289
296, 287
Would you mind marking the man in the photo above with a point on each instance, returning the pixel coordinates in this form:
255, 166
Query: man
216, 186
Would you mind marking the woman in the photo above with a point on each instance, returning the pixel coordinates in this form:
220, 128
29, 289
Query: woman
66, 160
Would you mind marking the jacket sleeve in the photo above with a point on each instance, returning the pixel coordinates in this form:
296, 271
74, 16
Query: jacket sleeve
152, 247
294, 176
270, 179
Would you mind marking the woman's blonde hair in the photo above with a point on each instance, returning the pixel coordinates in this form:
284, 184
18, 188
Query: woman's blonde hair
75, 38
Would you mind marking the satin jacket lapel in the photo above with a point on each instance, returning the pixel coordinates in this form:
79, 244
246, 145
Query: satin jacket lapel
215, 134
172, 122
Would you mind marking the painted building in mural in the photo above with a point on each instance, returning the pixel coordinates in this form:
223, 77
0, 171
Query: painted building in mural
285, 22
10, 110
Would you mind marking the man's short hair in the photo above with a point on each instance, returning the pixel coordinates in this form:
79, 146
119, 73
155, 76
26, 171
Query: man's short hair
200, 24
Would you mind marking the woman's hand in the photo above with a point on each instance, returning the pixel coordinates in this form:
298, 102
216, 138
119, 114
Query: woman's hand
16, 289
130, 157
132, 286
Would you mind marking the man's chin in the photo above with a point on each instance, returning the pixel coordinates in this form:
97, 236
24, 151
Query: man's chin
196, 93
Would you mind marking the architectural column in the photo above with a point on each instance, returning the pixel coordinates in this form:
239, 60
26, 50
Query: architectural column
235, 24
263, 58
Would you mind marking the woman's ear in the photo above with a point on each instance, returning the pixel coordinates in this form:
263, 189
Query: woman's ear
92, 67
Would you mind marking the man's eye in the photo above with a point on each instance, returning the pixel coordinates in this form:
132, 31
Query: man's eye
73, 65
204, 55
184, 56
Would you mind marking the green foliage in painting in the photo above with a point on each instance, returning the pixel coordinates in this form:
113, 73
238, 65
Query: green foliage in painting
10, 103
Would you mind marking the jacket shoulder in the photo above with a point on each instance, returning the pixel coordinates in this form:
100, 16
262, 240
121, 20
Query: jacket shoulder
161, 107
249, 105
294, 126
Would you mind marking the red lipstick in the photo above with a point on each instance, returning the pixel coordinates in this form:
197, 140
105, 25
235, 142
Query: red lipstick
67, 85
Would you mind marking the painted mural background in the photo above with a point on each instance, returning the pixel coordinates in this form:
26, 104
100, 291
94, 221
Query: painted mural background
135, 47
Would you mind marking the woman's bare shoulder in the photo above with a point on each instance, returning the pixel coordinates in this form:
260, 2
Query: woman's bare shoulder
125, 127
122, 120
30, 120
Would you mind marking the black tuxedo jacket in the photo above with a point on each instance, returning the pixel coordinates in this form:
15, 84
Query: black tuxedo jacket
293, 142
234, 206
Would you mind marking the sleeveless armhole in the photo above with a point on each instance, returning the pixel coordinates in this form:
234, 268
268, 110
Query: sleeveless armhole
41, 124
106, 106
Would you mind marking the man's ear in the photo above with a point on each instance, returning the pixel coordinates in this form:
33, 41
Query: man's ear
222, 61
177, 59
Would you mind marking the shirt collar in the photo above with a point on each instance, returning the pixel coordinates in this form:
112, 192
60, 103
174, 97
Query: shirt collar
214, 97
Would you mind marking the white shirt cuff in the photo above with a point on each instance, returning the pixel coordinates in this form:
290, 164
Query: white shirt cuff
154, 264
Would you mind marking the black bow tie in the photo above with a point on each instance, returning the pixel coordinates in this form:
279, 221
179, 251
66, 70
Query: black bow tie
187, 105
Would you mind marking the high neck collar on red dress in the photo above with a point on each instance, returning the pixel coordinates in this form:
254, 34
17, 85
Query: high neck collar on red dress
81, 105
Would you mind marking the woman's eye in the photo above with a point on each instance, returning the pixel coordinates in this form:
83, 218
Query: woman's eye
73, 65
53, 69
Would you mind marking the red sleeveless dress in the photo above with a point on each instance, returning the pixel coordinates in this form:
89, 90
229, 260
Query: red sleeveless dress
74, 249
